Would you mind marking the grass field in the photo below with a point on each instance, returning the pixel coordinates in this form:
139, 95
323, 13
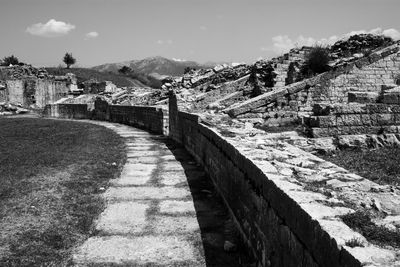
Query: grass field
381, 165
51, 174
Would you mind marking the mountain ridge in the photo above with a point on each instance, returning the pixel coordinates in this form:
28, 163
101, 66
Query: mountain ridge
156, 64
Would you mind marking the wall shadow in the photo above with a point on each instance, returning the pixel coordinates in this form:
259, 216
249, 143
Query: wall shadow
215, 223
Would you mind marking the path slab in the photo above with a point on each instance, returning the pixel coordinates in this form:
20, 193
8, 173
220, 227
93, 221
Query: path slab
123, 218
146, 192
139, 251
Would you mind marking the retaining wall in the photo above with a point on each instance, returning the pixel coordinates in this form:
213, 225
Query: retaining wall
149, 118
368, 74
67, 111
278, 231
352, 119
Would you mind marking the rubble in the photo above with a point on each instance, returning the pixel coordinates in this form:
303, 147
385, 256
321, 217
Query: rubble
358, 45
10, 109
24, 71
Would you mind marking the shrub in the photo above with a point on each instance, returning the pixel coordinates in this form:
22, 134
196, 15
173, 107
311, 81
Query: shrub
13, 60
316, 61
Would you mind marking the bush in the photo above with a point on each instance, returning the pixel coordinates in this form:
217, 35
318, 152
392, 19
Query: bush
13, 60
316, 61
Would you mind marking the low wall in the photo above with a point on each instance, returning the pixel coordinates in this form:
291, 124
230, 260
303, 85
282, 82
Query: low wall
67, 111
149, 118
278, 231
276, 228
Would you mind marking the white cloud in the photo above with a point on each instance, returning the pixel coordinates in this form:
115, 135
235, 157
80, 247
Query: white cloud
52, 28
393, 33
203, 28
178, 59
161, 42
91, 35
283, 43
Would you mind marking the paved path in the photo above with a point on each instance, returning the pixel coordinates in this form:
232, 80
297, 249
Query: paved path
150, 217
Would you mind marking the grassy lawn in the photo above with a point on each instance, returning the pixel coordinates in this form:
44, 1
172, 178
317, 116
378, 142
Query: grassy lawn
380, 165
51, 174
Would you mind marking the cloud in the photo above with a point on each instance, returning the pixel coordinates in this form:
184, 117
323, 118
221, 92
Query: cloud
178, 59
91, 35
393, 33
203, 28
283, 43
167, 42
52, 28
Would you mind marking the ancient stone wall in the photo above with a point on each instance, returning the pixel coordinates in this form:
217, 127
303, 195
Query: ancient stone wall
3, 95
283, 105
276, 228
355, 119
67, 111
15, 91
368, 78
36, 92
150, 118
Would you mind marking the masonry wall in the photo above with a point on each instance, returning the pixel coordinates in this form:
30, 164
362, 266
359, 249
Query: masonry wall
355, 119
369, 78
37, 92
49, 91
67, 111
15, 91
150, 118
367, 74
274, 226
3, 95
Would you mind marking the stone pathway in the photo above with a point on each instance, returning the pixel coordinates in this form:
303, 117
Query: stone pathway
156, 209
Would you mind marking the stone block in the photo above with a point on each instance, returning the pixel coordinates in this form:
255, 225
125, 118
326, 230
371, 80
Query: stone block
374, 57
363, 97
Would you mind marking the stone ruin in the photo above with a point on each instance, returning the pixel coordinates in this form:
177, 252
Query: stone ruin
288, 203
29, 87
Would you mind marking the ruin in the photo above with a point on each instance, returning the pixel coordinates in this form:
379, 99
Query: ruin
30, 87
288, 204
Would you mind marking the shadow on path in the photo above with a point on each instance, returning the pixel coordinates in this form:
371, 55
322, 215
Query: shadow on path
215, 223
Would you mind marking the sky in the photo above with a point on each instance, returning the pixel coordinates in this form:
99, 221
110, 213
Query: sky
40, 32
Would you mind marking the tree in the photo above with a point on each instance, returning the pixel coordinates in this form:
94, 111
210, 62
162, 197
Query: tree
124, 70
10, 60
69, 59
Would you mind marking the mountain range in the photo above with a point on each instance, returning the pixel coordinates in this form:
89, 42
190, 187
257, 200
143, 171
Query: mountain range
155, 66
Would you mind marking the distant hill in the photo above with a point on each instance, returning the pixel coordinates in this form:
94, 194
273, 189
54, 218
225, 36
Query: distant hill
154, 65
83, 74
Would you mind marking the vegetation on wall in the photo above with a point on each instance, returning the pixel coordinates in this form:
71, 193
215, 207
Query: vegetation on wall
317, 61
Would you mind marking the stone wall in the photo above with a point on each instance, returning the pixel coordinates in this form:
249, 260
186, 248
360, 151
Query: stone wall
368, 78
275, 227
285, 104
15, 91
351, 119
149, 118
67, 111
36, 92
153, 119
